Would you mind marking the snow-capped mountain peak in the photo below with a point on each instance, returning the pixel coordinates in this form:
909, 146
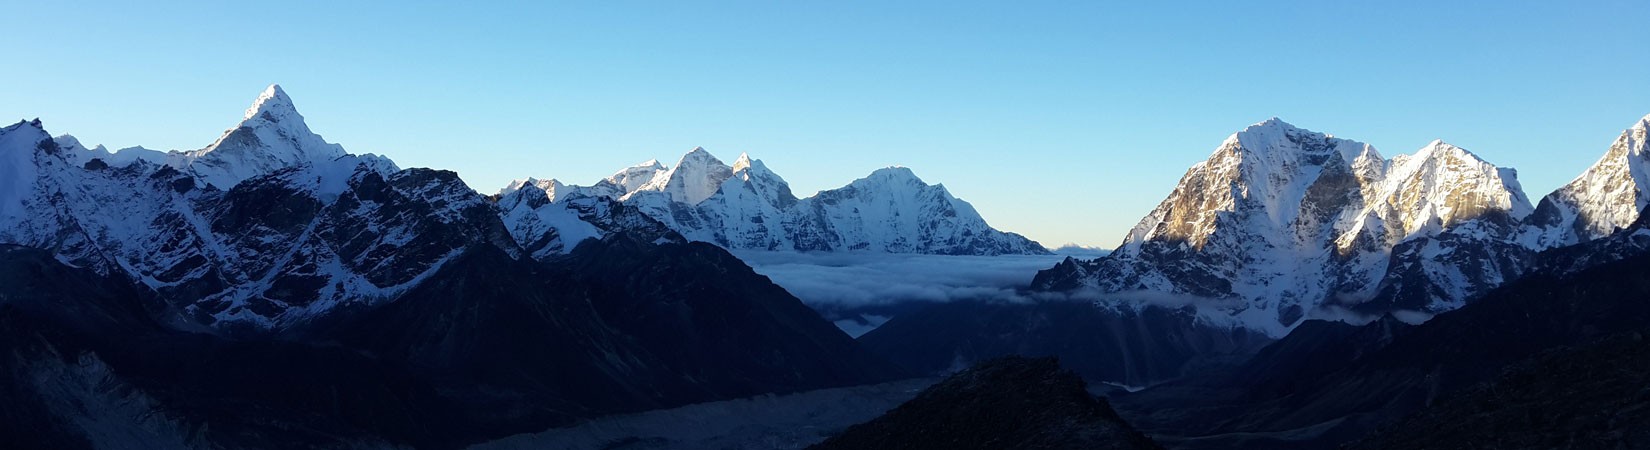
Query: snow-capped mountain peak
748, 169
1608, 196
749, 206
695, 178
1267, 167
751, 178
19, 145
552, 188
1277, 137
272, 135
741, 163
1458, 184
1286, 221
899, 174
273, 105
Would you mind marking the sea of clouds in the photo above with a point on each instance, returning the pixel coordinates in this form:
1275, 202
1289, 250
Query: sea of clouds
851, 279
859, 291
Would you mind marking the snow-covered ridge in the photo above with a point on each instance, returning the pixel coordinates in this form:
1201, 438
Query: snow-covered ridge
263, 228
1280, 224
748, 206
271, 225
1608, 196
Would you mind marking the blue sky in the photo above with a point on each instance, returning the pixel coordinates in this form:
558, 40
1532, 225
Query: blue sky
1064, 121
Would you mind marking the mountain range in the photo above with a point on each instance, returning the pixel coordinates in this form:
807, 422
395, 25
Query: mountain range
273, 290
1279, 227
1282, 224
748, 207
270, 225
1294, 290
1300, 291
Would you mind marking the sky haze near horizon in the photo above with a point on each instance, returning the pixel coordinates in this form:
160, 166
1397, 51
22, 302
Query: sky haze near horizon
1062, 121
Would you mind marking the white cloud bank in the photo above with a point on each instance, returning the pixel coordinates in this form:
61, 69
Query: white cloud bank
848, 279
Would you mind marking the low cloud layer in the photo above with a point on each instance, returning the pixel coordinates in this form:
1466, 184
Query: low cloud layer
860, 291
850, 280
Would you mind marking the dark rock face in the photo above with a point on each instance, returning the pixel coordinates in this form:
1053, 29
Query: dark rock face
1597, 396
1003, 403
710, 318
85, 367
489, 345
532, 220
1305, 394
1126, 347
1624, 243
617, 326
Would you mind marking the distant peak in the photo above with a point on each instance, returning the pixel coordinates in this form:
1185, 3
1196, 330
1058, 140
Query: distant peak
698, 157
744, 162
1273, 129
1438, 146
895, 173
548, 186
1273, 123
651, 163
273, 101
1643, 124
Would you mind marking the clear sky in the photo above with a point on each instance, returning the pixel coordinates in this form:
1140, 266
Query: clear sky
1064, 121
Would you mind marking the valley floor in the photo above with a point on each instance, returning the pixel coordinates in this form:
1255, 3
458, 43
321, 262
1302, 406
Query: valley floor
790, 421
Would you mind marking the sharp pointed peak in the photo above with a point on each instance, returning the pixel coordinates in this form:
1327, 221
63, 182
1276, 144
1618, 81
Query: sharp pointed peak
744, 162
698, 156
1642, 125
272, 103
1439, 145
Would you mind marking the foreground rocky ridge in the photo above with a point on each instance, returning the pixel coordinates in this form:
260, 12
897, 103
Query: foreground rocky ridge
1329, 382
486, 347
1002, 403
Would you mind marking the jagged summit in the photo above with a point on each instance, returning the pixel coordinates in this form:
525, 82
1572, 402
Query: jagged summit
693, 179
741, 163
272, 135
274, 102
551, 188
1274, 135
1285, 221
747, 169
1608, 196
894, 171
748, 206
